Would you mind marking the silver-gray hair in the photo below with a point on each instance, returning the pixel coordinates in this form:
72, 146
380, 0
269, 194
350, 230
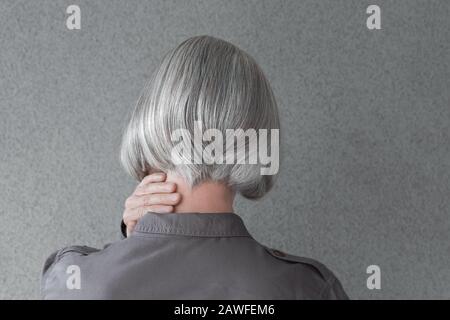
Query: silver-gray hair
203, 79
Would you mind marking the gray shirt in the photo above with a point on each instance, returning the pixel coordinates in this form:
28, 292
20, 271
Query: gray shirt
186, 256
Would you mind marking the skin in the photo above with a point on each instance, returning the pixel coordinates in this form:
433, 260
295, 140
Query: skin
208, 196
170, 193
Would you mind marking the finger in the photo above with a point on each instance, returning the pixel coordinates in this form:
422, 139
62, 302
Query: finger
130, 228
133, 215
154, 177
153, 199
156, 187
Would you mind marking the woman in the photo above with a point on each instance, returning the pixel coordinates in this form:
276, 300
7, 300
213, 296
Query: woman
184, 239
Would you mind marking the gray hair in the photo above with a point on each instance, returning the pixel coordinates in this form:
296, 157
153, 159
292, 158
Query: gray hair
203, 79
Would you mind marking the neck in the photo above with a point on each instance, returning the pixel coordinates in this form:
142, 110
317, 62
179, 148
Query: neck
207, 197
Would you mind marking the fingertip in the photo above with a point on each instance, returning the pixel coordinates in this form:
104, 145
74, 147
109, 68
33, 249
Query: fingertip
159, 176
176, 196
171, 187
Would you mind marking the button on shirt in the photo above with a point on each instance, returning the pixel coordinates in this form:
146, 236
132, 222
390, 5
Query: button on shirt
186, 256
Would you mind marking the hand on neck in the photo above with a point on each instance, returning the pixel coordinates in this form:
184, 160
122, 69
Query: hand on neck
206, 197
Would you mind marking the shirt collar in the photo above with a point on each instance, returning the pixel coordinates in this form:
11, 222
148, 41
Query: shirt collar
192, 224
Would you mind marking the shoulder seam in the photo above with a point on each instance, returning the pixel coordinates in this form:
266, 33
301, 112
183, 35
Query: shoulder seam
320, 268
84, 250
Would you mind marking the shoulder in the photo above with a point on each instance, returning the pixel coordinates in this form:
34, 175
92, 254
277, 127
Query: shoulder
315, 265
74, 250
53, 268
332, 288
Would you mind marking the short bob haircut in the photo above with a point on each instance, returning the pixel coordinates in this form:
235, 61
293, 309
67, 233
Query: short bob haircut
203, 79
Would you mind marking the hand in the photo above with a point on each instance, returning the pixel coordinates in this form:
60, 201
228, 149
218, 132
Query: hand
152, 194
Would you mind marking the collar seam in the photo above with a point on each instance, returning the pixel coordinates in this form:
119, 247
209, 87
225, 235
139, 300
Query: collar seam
183, 232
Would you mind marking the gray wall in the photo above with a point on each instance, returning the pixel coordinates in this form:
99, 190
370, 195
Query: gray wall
366, 116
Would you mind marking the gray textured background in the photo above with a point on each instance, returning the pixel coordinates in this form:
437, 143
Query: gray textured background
366, 116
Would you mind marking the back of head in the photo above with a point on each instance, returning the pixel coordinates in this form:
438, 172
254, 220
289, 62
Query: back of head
204, 83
